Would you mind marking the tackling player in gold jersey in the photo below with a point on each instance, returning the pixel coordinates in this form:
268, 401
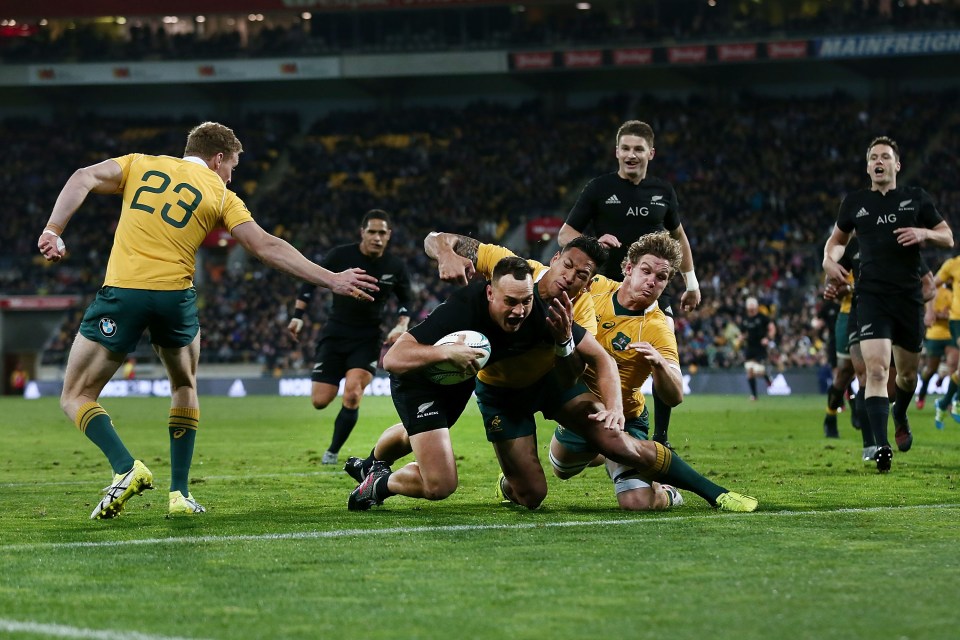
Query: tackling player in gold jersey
633, 329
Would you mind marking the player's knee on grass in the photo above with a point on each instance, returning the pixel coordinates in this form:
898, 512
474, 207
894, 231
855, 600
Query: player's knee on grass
439, 487
633, 492
528, 496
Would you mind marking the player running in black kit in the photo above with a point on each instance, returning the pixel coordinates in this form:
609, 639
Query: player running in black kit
349, 345
891, 223
624, 205
758, 333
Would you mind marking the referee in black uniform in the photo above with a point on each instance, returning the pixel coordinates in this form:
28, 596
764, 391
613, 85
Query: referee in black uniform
350, 342
891, 223
624, 205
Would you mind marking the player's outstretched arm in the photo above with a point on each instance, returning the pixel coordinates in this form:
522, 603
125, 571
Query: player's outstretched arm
456, 255
608, 379
832, 252
103, 177
691, 295
567, 234
281, 255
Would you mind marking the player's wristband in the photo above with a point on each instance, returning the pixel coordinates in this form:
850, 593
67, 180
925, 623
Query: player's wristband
565, 348
690, 277
298, 314
54, 227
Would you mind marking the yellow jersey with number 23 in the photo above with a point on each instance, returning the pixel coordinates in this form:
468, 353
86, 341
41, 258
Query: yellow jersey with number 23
169, 206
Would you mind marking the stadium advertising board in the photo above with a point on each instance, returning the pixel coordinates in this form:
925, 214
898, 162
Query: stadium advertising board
889, 45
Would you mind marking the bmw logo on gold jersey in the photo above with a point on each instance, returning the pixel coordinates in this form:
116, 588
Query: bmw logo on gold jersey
107, 327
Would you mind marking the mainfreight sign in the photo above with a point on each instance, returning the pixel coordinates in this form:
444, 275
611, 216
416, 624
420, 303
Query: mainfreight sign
891, 45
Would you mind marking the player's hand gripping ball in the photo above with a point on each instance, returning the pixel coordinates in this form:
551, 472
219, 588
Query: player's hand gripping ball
446, 372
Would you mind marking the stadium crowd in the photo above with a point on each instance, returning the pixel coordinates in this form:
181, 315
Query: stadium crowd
463, 27
759, 181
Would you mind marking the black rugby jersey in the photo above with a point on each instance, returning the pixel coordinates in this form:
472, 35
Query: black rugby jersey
468, 308
886, 267
615, 205
755, 330
357, 318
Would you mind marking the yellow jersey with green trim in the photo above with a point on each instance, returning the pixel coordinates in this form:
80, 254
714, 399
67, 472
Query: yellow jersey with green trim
949, 272
940, 329
169, 206
846, 302
617, 327
488, 255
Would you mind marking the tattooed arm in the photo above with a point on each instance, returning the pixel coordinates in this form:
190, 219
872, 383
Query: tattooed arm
456, 255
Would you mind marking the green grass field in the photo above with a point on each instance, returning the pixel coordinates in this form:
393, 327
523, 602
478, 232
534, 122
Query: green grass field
835, 551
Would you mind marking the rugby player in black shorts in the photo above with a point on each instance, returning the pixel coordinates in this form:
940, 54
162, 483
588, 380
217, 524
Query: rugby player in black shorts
891, 224
350, 342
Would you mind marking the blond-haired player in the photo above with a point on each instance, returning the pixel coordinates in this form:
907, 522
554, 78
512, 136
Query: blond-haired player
169, 206
634, 330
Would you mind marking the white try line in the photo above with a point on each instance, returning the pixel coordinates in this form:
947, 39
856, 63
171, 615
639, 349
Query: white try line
290, 474
64, 631
454, 528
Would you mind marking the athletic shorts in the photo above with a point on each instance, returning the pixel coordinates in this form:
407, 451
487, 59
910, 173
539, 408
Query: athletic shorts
624, 478
429, 407
954, 330
509, 413
896, 319
638, 427
853, 332
936, 348
118, 317
841, 335
338, 354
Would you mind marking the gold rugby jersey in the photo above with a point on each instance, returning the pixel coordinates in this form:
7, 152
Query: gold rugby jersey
940, 329
169, 206
616, 328
950, 273
847, 300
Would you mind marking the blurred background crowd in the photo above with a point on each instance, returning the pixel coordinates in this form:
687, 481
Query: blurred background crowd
759, 182
330, 29
759, 177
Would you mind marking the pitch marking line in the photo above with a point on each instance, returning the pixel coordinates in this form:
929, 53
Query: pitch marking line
348, 533
63, 631
292, 474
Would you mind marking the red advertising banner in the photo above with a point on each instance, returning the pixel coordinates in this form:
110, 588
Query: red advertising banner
582, 59
38, 303
787, 50
532, 60
687, 55
627, 57
737, 52
76, 9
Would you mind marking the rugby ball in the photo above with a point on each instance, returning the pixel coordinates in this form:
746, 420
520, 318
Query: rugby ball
444, 372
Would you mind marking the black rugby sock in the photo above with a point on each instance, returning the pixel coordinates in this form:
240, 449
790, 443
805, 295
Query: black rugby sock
342, 427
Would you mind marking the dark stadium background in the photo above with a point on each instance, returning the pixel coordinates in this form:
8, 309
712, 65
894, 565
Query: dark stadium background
471, 117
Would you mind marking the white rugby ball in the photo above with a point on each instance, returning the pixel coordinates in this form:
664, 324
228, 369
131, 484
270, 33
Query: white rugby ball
444, 372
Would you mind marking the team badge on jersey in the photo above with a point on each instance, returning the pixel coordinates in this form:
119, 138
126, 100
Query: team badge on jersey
107, 327
620, 342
